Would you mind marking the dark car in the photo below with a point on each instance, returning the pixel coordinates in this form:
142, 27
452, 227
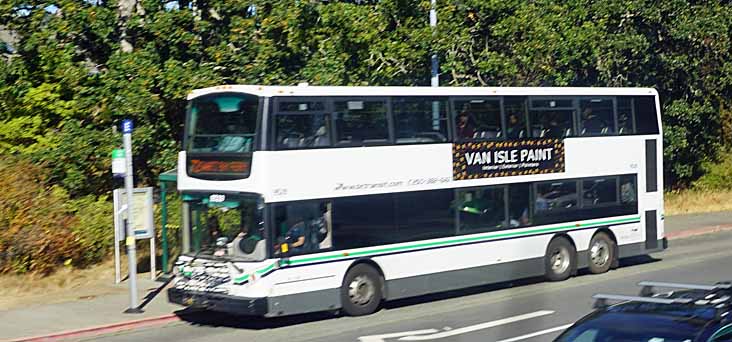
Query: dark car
690, 313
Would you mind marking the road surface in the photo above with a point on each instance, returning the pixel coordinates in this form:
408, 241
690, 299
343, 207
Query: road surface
526, 311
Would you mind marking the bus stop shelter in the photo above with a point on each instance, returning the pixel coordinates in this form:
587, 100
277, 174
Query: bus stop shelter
167, 181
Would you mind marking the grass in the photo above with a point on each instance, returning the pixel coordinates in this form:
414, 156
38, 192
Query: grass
697, 201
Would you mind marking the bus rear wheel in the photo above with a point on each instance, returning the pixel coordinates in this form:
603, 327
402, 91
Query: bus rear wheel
361, 291
601, 253
560, 259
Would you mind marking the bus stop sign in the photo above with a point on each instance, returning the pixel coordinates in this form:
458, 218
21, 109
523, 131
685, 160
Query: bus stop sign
127, 126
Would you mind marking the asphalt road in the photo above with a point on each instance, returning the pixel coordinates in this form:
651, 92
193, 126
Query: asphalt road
526, 311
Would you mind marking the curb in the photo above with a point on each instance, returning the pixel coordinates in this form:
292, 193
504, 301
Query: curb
101, 329
698, 231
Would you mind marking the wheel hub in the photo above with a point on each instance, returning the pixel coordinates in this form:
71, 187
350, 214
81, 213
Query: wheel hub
600, 253
560, 261
361, 290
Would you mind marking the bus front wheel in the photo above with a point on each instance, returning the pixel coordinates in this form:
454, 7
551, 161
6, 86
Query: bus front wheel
560, 259
361, 291
601, 254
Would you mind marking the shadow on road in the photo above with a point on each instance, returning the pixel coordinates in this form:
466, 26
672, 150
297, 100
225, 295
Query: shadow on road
217, 319
624, 263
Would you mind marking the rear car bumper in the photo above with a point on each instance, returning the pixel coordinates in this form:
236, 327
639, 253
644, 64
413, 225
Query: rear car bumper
219, 302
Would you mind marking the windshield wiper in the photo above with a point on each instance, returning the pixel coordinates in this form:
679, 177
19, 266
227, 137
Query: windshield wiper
203, 249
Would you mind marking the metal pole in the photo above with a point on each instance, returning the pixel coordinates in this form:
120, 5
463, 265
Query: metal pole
164, 223
185, 228
117, 237
130, 240
435, 81
435, 64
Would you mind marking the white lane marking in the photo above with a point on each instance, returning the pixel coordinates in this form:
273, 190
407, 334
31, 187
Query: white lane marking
538, 333
476, 327
381, 338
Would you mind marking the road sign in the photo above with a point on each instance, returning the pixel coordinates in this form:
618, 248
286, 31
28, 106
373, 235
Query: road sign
127, 126
142, 211
119, 167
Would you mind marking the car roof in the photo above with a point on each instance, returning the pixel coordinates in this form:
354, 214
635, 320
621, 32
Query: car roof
648, 322
684, 319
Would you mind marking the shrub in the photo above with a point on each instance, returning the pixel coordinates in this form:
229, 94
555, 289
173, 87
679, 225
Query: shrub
717, 176
93, 227
35, 224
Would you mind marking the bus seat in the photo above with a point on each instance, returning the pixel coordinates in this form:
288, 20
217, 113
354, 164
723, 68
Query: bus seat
321, 141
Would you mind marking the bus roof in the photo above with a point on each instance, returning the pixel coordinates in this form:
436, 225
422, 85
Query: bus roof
306, 90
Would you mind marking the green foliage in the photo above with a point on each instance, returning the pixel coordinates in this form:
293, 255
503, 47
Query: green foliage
692, 131
78, 157
93, 227
35, 227
42, 228
65, 81
717, 176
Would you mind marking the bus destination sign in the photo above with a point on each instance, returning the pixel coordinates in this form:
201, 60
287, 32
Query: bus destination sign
487, 159
214, 166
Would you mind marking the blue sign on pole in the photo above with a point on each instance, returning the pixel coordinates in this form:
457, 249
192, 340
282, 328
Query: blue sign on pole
127, 126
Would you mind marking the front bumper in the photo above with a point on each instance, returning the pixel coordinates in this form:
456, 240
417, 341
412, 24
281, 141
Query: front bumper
219, 302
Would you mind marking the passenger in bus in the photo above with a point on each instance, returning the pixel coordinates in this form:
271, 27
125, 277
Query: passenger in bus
212, 227
541, 202
625, 125
207, 123
591, 123
294, 238
521, 220
515, 129
553, 130
465, 124
233, 141
627, 193
321, 137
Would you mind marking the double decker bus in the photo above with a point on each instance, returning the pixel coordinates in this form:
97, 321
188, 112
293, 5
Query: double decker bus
303, 198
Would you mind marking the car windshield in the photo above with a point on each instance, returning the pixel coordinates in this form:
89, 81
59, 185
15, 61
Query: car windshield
222, 123
228, 226
629, 327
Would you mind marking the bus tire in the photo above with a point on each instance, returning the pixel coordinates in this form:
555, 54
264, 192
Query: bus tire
601, 255
361, 291
560, 259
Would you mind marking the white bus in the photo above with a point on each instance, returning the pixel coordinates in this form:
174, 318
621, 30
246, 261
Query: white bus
306, 198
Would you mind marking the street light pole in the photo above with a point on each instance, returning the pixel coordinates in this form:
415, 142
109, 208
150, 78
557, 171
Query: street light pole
435, 64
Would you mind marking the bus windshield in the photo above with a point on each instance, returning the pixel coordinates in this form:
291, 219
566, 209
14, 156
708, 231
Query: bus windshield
228, 226
223, 123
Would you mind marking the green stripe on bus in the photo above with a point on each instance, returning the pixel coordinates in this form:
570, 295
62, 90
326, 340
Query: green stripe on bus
346, 254
241, 279
458, 241
266, 269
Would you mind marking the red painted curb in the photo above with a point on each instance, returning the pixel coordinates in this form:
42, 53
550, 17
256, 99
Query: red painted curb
698, 231
101, 329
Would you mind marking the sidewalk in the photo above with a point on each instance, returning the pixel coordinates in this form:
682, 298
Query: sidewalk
692, 224
43, 320
104, 314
